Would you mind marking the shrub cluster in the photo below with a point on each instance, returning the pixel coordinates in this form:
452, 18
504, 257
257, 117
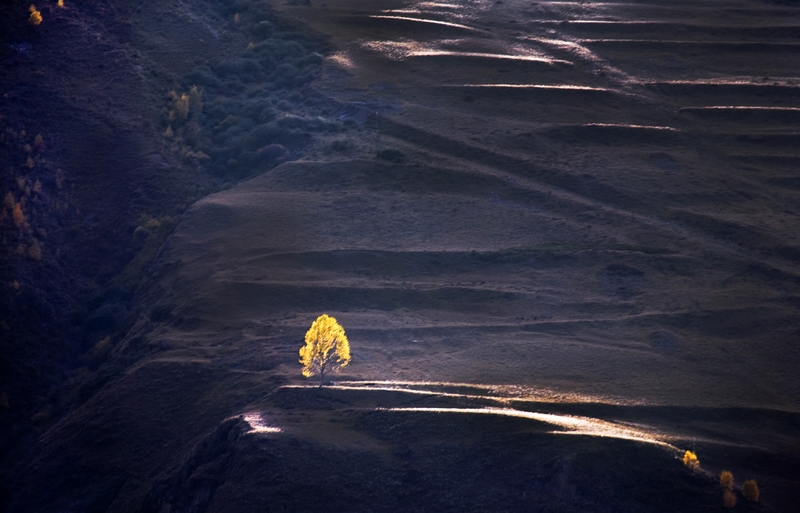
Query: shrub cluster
726, 482
252, 102
25, 198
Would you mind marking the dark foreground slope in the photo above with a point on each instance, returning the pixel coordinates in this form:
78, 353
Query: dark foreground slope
588, 209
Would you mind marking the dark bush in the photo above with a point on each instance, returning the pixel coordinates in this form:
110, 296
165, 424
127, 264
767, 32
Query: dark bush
392, 155
203, 76
308, 124
246, 70
263, 29
161, 311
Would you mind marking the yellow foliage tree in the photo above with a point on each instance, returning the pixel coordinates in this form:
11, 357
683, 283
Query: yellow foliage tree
326, 349
690, 459
750, 490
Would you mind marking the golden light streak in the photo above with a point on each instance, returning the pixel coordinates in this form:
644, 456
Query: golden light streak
741, 107
497, 393
624, 125
534, 86
793, 82
585, 426
423, 20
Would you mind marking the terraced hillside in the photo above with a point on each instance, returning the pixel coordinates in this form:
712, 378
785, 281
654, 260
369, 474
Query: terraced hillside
592, 204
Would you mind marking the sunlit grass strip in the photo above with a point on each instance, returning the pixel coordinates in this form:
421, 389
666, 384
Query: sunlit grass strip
566, 87
257, 424
740, 107
584, 426
509, 392
406, 391
792, 82
710, 42
423, 20
625, 125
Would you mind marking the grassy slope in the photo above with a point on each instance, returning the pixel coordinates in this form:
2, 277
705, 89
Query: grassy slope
522, 242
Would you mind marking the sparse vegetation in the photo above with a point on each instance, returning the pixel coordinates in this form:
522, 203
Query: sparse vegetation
690, 460
326, 348
750, 490
238, 106
728, 499
726, 480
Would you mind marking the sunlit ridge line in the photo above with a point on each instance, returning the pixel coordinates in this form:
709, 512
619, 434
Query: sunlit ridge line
586, 426
748, 81
533, 86
689, 42
740, 107
624, 125
512, 392
421, 20
605, 22
446, 53
583, 21
406, 391
440, 4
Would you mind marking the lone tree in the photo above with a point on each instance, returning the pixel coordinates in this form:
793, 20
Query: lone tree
326, 349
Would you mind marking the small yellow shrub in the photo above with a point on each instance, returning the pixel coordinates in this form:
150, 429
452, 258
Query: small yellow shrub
750, 490
726, 480
35, 17
690, 459
728, 499
60, 3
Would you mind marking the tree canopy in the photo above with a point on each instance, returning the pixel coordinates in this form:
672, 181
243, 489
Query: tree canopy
326, 348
